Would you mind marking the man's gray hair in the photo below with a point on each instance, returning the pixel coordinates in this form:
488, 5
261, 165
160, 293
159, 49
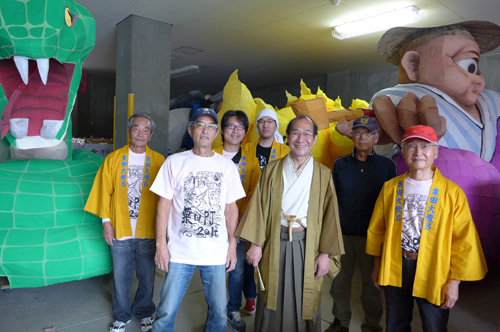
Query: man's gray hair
141, 115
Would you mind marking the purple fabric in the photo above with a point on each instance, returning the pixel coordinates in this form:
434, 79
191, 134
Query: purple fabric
480, 181
496, 156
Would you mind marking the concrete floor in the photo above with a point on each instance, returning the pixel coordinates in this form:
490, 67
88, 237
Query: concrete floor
83, 306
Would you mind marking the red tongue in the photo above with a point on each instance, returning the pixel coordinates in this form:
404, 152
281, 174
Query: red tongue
34, 101
5, 123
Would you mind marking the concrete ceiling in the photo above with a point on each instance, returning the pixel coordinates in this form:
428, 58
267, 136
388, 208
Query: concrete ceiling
270, 42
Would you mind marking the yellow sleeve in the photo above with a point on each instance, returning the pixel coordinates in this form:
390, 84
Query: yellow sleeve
376, 230
99, 201
467, 258
284, 150
253, 224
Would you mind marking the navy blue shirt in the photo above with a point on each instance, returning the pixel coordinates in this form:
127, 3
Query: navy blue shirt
358, 184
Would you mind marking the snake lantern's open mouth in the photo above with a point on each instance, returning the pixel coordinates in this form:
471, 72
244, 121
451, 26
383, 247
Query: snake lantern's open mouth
37, 93
42, 47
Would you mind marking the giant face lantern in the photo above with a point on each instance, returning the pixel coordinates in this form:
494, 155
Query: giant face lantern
440, 85
450, 64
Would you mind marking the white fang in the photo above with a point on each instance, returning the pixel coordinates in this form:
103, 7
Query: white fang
43, 69
22, 67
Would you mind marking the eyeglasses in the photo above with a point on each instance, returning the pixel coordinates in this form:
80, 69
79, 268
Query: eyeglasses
231, 126
297, 133
202, 126
270, 121
360, 133
422, 147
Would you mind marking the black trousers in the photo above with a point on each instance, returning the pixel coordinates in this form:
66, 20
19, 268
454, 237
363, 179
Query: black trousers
399, 305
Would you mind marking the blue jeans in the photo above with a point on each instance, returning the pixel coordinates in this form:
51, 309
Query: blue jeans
175, 286
240, 279
127, 255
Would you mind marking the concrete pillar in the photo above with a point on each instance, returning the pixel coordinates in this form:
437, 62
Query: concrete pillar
343, 84
143, 68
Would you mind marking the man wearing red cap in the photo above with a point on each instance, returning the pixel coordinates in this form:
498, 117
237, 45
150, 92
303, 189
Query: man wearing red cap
423, 239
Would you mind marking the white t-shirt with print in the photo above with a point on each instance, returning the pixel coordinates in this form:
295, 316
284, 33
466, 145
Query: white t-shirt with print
200, 188
135, 175
134, 181
415, 205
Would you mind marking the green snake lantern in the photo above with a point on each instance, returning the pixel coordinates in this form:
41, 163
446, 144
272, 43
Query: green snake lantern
45, 236
42, 48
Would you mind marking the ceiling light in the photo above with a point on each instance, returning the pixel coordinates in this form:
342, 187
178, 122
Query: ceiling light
396, 17
184, 71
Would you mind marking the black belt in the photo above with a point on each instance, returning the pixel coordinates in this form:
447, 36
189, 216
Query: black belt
410, 255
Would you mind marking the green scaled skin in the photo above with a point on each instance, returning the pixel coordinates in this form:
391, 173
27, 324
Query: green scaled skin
45, 236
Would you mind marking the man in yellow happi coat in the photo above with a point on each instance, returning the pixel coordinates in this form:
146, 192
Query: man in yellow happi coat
234, 125
121, 197
423, 239
256, 155
293, 225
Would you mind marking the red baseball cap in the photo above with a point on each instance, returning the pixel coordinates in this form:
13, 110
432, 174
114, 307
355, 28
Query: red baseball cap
423, 132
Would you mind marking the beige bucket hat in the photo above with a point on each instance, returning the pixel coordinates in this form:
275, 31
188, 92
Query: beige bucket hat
395, 41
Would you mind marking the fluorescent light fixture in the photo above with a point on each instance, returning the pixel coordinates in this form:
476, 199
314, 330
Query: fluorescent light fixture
396, 17
184, 71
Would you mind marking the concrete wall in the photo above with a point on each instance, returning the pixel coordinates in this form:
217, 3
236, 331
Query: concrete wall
143, 68
371, 82
490, 68
347, 85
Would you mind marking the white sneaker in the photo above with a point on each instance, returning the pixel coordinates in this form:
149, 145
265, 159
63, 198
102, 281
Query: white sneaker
118, 326
236, 322
147, 324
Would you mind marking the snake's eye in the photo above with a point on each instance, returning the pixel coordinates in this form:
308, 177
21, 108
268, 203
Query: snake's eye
69, 19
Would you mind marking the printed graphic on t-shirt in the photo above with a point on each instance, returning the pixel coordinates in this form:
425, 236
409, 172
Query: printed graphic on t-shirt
413, 218
134, 180
262, 155
262, 162
202, 215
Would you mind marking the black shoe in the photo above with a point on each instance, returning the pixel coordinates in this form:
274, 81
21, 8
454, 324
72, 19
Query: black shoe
236, 322
335, 326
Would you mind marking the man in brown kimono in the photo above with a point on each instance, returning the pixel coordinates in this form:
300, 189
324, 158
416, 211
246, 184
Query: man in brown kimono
293, 225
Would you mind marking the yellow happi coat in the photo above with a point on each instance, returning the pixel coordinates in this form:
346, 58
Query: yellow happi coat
109, 195
449, 244
261, 224
250, 168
